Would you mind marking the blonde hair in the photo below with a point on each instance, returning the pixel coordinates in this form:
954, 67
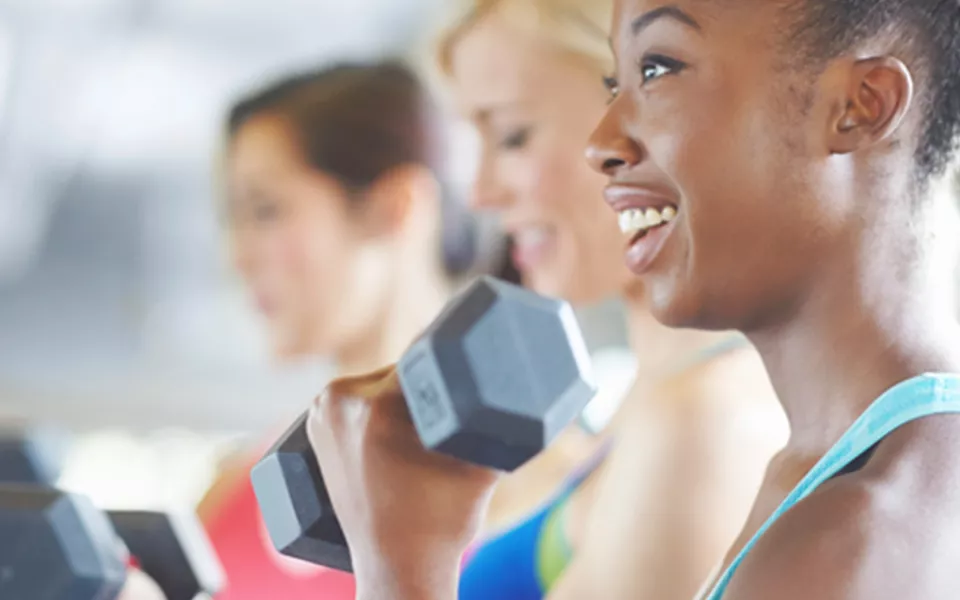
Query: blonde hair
577, 27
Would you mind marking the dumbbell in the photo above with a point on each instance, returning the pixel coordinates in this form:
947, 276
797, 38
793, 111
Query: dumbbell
491, 381
56, 546
31, 454
172, 548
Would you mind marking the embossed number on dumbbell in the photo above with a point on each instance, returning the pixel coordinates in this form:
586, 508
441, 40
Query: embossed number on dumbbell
429, 407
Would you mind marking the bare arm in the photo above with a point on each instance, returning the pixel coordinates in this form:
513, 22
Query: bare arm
682, 484
415, 578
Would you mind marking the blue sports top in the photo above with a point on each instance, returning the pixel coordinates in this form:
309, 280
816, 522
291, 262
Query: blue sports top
524, 562
922, 396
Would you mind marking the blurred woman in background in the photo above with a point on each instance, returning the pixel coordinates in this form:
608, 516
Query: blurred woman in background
528, 74
336, 203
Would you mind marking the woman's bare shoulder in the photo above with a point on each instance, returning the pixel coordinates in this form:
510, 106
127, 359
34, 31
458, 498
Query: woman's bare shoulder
728, 386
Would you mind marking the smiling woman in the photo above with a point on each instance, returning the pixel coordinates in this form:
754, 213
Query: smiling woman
807, 146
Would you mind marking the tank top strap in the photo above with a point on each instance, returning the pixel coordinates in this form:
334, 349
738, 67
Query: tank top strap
587, 468
922, 396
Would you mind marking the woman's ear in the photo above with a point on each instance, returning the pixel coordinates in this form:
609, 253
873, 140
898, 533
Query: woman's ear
397, 196
878, 92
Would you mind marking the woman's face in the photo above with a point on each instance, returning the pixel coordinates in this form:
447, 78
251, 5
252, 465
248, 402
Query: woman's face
535, 108
711, 124
302, 249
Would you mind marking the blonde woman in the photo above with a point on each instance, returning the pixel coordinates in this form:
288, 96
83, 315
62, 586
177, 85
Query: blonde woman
653, 511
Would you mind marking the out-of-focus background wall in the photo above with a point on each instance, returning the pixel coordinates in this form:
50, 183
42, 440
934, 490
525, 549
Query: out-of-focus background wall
121, 320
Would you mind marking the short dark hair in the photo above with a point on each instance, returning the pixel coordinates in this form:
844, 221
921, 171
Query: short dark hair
928, 29
357, 121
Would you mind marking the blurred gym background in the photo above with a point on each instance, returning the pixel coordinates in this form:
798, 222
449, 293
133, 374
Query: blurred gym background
121, 322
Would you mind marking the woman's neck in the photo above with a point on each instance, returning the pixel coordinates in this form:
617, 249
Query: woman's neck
882, 316
660, 349
416, 300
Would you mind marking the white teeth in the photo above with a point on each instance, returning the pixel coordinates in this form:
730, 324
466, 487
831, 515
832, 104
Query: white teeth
634, 220
652, 217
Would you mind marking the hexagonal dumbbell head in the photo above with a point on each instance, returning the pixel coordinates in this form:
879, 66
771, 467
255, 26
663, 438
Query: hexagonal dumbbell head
492, 381
497, 376
294, 503
173, 549
56, 546
31, 455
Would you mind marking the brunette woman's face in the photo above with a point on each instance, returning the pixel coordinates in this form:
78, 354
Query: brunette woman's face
317, 274
711, 123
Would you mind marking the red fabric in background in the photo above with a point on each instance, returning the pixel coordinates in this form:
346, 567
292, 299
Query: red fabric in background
254, 569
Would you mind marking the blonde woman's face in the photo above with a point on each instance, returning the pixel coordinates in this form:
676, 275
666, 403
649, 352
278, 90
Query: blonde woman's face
535, 107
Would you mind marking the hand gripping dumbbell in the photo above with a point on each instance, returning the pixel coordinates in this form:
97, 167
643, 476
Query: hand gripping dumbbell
171, 548
492, 381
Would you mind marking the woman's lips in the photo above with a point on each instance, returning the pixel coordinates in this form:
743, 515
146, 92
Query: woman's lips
646, 217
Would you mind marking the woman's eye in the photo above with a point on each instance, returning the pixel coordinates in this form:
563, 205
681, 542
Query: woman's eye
265, 211
258, 208
612, 85
516, 140
652, 71
654, 67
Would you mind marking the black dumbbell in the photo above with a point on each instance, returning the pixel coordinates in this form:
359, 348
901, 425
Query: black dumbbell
56, 546
492, 381
173, 549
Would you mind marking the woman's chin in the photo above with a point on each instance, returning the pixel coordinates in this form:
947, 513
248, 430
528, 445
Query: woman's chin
689, 313
541, 281
578, 291
673, 306
287, 349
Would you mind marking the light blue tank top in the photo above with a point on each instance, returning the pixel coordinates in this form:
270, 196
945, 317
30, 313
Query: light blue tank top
922, 396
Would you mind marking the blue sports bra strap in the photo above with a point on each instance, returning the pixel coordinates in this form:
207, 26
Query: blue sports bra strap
922, 396
587, 468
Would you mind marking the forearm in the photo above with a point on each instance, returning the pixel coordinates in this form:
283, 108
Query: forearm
412, 578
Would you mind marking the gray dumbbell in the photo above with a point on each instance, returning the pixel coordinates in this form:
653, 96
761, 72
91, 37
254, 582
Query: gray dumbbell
173, 549
56, 546
492, 381
32, 455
